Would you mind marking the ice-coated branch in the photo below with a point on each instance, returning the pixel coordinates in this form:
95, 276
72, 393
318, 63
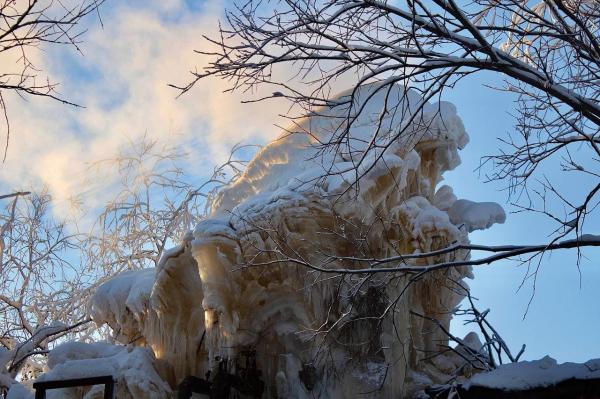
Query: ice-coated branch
35, 290
30, 346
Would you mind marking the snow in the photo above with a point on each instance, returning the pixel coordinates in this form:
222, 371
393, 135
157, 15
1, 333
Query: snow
19, 352
444, 198
584, 237
132, 367
472, 342
80, 350
476, 215
130, 289
18, 391
293, 163
161, 308
537, 373
426, 217
122, 302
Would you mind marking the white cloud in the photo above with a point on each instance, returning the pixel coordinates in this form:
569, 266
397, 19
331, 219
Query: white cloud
130, 60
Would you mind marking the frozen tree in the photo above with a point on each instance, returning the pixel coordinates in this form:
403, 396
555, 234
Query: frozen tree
27, 26
548, 53
49, 269
40, 283
155, 205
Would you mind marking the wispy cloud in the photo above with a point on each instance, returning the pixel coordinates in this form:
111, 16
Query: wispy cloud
121, 78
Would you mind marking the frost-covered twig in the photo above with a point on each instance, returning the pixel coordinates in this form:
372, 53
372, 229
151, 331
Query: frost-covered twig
155, 207
29, 347
38, 280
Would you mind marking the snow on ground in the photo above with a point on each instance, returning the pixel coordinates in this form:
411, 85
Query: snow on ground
132, 367
537, 373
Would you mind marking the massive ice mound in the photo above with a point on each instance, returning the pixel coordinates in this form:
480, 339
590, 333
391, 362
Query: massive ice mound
252, 276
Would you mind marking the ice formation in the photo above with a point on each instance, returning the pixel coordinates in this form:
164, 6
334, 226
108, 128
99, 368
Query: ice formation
239, 281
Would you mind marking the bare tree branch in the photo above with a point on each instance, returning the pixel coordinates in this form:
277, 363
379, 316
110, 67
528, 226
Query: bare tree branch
25, 27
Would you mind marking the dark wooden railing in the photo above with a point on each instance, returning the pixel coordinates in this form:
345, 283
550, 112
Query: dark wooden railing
107, 380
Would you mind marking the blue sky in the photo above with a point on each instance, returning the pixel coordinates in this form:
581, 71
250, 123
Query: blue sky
563, 318
122, 79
